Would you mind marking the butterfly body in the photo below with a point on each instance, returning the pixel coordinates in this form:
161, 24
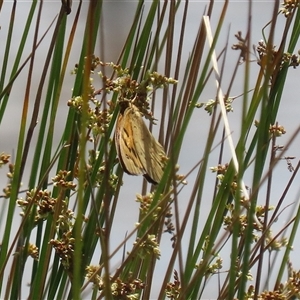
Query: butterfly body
138, 151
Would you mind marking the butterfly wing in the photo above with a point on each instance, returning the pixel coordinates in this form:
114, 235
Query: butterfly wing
138, 151
148, 150
124, 135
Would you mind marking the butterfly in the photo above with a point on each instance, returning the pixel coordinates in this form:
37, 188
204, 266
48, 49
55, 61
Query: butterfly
138, 151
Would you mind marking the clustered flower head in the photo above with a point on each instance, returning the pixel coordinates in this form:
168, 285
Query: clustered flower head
64, 247
265, 295
146, 203
92, 274
98, 118
288, 290
288, 7
274, 130
66, 218
215, 264
111, 181
123, 289
275, 244
33, 251
221, 171
213, 267
127, 288
129, 89
41, 199
4, 159
173, 289
273, 55
234, 217
277, 130
10, 174
61, 180
41, 203
211, 104
149, 246
241, 46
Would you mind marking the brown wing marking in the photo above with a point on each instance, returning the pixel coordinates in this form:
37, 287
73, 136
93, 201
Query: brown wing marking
148, 149
125, 146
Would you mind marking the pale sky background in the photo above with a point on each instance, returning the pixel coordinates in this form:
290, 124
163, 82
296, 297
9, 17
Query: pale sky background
117, 18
